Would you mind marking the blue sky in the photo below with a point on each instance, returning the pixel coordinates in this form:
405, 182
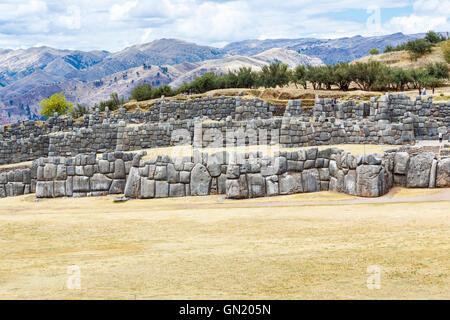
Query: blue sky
113, 24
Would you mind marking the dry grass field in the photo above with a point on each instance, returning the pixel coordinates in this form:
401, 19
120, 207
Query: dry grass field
305, 246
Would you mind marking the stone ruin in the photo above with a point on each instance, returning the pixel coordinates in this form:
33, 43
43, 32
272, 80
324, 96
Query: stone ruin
95, 156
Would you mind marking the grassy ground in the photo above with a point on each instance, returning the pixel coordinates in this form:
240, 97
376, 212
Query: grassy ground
208, 247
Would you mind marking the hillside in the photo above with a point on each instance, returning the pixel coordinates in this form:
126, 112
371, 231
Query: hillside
29, 75
402, 59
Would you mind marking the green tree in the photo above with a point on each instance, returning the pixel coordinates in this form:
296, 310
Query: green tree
418, 48
275, 74
446, 51
57, 103
433, 37
343, 76
299, 76
79, 111
374, 51
142, 92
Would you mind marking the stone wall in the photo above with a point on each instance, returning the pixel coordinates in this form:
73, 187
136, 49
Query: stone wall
389, 119
15, 182
237, 175
82, 175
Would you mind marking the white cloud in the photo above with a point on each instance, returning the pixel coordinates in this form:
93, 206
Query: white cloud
110, 24
118, 11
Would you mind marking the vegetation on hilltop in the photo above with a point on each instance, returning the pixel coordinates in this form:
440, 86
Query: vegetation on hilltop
418, 47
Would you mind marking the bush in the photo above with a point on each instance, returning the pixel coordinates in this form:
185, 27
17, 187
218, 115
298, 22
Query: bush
446, 51
113, 103
434, 37
276, 74
57, 103
418, 48
142, 92
79, 111
374, 51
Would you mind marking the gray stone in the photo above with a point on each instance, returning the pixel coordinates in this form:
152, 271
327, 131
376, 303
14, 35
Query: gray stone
418, 174
311, 180
221, 184
161, 189
214, 169
291, 183
49, 171
272, 186
89, 170
324, 174
117, 186
119, 169
147, 189
80, 184
133, 184
61, 172
401, 160
59, 189
176, 190
44, 189
350, 182
443, 173
200, 180
311, 153
99, 182
432, 183
256, 185
160, 173
237, 188
69, 186
370, 181
172, 174
103, 166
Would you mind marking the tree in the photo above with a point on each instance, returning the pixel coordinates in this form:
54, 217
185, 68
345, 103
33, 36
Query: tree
79, 111
446, 51
57, 103
343, 76
433, 37
276, 74
374, 51
418, 48
142, 92
299, 76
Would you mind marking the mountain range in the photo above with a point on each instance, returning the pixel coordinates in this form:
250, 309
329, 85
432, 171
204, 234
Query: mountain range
87, 77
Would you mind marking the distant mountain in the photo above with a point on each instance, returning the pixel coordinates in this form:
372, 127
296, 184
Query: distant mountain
256, 62
29, 75
330, 51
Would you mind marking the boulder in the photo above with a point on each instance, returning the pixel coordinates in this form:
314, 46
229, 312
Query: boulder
147, 189
272, 186
80, 184
119, 169
401, 160
49, 171
237, 188
370, 181
200, 180
176, 190
443, 173
133, 183
291, 183
311, 180
419, 168
256, 185
350, 182
99, 182
161, 189
44, 189
59, 189
117, 186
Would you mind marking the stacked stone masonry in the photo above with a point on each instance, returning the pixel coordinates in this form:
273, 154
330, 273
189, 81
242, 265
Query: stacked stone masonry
390, 119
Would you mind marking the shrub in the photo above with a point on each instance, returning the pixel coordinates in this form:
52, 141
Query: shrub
418, 48
374, 51
142, 92
446, 51
434, 37
57, 103
79, 111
